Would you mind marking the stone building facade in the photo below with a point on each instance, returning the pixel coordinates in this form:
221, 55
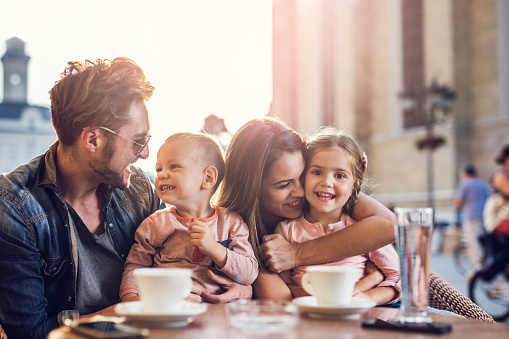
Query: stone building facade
346, 63
25, 130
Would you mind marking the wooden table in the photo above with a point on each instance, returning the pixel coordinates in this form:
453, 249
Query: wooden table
214, 324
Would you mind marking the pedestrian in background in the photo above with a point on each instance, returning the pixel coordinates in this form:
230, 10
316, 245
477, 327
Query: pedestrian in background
471, 195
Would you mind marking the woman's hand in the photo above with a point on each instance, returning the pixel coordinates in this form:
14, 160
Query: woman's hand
278, 254
233, 292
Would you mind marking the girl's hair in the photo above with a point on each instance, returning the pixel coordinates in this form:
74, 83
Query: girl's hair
204, 149
251, 154
329, 137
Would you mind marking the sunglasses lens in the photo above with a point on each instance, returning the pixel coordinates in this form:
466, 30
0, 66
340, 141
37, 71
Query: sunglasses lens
144, 145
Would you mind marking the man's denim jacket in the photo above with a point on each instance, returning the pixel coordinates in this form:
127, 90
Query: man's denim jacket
37, 267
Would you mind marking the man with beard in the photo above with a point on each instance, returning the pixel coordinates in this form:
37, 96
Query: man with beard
68, 217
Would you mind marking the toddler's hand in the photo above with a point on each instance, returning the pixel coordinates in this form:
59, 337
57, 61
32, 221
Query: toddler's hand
201, 237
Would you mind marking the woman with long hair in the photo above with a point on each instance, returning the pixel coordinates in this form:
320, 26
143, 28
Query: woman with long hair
264, 165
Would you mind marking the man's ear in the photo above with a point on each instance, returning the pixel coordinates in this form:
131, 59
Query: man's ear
209, 177
91, 140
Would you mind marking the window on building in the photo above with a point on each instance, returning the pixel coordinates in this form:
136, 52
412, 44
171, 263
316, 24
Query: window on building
413, 61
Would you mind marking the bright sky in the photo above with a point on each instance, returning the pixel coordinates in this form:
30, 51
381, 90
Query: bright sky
203, 56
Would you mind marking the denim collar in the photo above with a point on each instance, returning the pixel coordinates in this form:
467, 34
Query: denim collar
48, 168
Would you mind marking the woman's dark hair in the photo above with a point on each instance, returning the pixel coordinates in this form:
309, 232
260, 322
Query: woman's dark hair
251, 154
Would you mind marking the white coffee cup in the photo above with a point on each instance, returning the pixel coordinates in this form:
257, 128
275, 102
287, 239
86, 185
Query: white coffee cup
163, 290
331, 285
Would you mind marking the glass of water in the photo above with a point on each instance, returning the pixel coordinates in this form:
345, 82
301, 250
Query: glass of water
413, 242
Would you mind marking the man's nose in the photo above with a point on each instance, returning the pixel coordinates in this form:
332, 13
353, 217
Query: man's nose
145, 153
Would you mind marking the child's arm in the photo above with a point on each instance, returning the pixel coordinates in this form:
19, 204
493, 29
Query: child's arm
241, 264
373, 277
387, 260
295, 288
381, 295
202, 237
237, 260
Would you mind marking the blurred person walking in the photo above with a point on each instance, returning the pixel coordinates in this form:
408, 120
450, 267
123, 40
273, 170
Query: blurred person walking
471, 195
500, 184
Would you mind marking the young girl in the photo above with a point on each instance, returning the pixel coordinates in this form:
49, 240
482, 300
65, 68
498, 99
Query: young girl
333, 178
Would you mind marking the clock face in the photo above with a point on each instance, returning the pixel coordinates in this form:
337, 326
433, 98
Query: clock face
15, 79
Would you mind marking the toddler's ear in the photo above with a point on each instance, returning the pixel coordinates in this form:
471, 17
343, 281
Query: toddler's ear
209, 177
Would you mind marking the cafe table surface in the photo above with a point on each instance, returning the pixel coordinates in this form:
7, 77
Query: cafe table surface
214, 324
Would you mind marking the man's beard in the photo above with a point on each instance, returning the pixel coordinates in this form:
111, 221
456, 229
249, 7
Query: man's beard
101, 166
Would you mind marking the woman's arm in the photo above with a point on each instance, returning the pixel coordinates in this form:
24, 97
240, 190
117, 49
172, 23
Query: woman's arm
270, 286
297, 291
374, 229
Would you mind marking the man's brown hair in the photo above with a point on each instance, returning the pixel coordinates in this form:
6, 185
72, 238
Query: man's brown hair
96, 93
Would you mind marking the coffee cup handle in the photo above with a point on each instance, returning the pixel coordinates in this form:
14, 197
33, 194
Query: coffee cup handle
188, 289
306, 284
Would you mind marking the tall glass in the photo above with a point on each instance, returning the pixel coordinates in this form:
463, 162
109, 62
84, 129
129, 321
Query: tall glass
413, 241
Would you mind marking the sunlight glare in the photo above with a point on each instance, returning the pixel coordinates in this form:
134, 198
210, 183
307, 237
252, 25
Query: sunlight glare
202, 56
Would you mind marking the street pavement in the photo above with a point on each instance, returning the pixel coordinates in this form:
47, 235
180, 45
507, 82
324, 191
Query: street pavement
443, 265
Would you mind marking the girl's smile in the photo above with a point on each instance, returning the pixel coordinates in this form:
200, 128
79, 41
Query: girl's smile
325, 196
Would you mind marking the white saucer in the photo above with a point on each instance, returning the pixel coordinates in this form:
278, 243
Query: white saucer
133, 311
353, 310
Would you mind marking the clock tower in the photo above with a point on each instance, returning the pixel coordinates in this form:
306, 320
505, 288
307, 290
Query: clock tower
15, 63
